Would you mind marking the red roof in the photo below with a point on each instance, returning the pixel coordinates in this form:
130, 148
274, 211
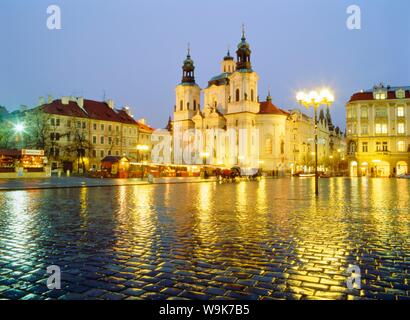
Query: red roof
368, 95
267, 107
71, 109
92, 110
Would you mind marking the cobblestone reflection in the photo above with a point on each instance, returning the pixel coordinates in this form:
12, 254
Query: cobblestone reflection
250, 240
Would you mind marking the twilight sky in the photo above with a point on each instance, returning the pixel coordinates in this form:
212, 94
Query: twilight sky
133, 49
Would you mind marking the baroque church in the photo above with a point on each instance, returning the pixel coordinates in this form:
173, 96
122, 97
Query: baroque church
233, 127
231, 105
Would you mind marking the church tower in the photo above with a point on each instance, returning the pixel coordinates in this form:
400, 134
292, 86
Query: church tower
243, 82
187, 95
228, 64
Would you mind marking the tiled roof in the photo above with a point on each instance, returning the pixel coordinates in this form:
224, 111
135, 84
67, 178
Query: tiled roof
93, 110
267, 107
368, 95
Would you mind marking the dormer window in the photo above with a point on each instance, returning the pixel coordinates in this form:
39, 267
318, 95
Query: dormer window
400, 94
380, 95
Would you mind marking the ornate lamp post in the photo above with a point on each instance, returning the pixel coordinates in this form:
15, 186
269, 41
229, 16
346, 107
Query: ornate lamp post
142, 148
315, 99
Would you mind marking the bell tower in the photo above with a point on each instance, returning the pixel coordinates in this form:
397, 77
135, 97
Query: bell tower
187, 94
228, 64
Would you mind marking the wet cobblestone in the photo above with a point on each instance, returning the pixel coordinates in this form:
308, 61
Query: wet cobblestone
251, 240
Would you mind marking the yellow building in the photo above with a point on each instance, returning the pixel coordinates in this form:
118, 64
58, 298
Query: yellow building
79, 133
378, 131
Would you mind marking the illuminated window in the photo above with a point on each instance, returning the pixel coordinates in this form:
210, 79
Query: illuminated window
364, 112
381, 128
400, 128
381, 112
400, 111
268, 145
380, 95
400, 94
401, 146
365, 130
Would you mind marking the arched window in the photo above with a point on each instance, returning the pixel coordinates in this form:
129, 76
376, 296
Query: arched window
268, 145
215, 104
282, 147
237, 94
194, 105
181, 105
252, 95
187, 105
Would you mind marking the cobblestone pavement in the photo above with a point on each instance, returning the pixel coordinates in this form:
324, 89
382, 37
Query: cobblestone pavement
80, 182
250, 240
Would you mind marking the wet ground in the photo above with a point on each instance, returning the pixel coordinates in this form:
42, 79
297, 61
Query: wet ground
250, 240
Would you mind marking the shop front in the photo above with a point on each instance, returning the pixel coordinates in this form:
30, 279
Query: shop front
23, 164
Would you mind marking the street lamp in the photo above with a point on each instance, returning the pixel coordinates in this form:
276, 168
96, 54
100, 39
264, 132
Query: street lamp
18, 129
204, 156
142, 148
315, 99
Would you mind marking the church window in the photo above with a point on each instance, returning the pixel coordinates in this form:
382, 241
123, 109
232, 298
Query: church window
187, 105
268, 145
252, 95
237, 94
181, 105
194, 105
282, 147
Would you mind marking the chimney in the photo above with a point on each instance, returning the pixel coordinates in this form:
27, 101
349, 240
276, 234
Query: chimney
80, 102
41, 101
49, 99
65, 100
110, 103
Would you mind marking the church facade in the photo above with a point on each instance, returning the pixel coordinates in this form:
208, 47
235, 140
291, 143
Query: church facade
233, 127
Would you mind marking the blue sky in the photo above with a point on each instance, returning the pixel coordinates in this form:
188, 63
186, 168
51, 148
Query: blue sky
133, 50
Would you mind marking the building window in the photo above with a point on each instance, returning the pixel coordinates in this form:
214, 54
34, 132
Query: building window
194, 105
378, 146
380, 95
237, 94
117, 141
94, 126
365, 147
400, 128
252, 95
109, 127
381, 128
381, 112
401, 146
117, 128
282, 147
78, 124
181, 105
68, 123
109, 140
68, 136
365, 130
400, 112
109, 152
400, 94
102, 153
364, 113
187, 105
268, 145
102, 140
94, 153
94, 139
102, 127
57, 122
84, 125
385, 146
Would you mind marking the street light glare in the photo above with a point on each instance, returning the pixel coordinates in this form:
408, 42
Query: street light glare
19, 127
